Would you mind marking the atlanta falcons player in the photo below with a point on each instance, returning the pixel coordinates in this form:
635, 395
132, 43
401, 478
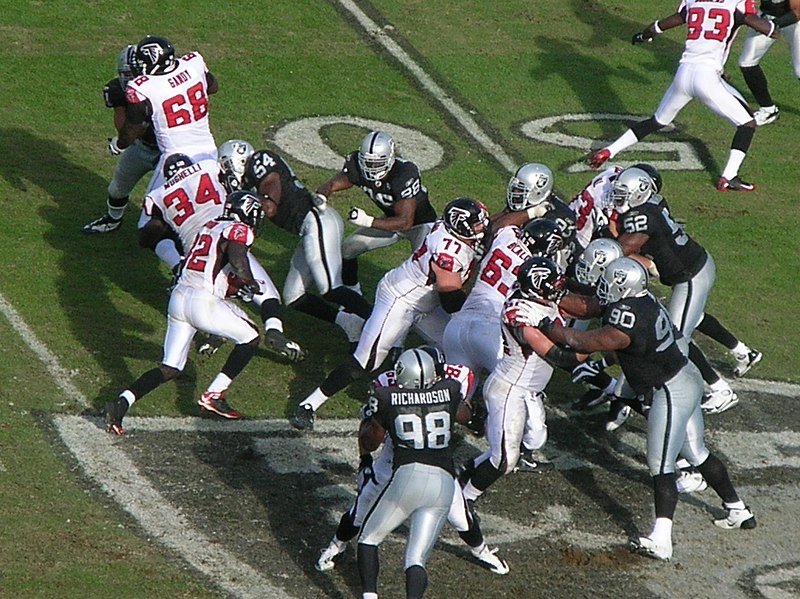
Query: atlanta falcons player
199, 301
374, 475
422, 292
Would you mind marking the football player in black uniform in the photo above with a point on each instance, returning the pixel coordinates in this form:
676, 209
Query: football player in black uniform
136, 160
394, 185
647, 227
651, 352
419, 416
291, 206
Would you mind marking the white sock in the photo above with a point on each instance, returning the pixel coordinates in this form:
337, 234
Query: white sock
735, 159
115, 211
470, 492
220, 384
720, 385
128, 396
738, 505
315, 400
369, 595
662, 531
625, 140
273, 323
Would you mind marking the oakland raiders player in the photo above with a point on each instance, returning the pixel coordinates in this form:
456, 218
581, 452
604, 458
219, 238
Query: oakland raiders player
216, 261
651, 352
178, 210
647, 227
784, 14
170, 96
136, 160
291, 206
395, 186
422, 292
514, 391
373, 475
418, 414
710, 31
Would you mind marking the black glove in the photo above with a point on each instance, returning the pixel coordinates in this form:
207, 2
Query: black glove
641, 38
587, 370
477, 421
365, 471
546, 325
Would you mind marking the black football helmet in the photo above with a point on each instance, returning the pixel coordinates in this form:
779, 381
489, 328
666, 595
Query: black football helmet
540, 278
244, 207
542, 237
466, 218
654, 173
561, 214
175, 163
155, 55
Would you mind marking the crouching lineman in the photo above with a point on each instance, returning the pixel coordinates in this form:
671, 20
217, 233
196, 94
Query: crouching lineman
653, 356
374, 475
419, 415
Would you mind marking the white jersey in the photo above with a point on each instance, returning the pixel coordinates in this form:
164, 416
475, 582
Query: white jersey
179, 100
206, 266
498, 273
593, 207
189, 200
711, 28
520, 365
414, 279
462, 374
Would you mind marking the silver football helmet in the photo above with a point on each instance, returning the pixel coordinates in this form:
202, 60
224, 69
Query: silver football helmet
624, 277
632, 188
415, 369
531, 185
376, 156
127, 65
594, 259
232, 156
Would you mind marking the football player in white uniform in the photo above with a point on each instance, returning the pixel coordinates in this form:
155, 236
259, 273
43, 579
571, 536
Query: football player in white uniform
711, 28
216, 262
422, 292
524, 371
373, 475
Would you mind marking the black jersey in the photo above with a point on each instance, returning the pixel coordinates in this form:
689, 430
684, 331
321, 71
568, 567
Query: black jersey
775, 8
295, 200
677, 256
653, 356
114, 96
400, 183
420, 422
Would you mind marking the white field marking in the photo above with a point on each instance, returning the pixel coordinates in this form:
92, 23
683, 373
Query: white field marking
462, 116
62, 378
537, 129
770, 387
759, 450
118, 476
769, 583
302, 140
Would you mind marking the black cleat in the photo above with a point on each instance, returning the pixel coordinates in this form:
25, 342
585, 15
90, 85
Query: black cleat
115, 412
303, 418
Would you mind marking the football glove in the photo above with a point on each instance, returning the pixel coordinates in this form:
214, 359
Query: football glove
247, 291
365, 472
360, 218
113, 148
585, 371
320, 201
643, 37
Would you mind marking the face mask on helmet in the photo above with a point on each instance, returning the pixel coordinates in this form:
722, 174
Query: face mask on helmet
415, 369
540, 278
127, 67
232, 158
466, 218
376, 156
632, 188
244, 207
174, 163
624, 277
595, 258
542, 237
531, 185
155, 55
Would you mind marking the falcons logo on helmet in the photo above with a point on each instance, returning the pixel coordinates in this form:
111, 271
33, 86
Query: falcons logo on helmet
459, 218
152, 51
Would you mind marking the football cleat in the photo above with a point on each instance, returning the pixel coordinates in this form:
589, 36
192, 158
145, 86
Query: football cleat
275, 340
735, 184
717, 402
533, 461
303, 418
742, 518
214, 402
746, 361
618, 413
649, 548
765, 116
115, 412
599, 158
104, 224
591, 399
690, 481
487, 556
325, 561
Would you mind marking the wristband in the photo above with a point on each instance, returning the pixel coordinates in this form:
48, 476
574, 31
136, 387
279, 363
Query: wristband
656, 28
536, 211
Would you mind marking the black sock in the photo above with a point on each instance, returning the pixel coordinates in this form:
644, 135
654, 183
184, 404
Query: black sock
711, 327
315, 306
756, 81
350, 300
341, 376
368, 567
699, 359
350, 272
716, 475
239, 358
416, 582
666, 495
146, 383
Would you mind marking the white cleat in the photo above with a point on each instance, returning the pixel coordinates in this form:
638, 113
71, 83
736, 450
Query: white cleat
746, 361
690, 482
649, 548
737, 519
717, 402
765, 116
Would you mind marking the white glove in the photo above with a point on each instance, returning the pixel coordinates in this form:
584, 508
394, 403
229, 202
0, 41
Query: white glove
360, 218
320, 201
113, 148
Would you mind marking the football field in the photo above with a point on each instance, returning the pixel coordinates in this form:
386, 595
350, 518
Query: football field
186, 506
